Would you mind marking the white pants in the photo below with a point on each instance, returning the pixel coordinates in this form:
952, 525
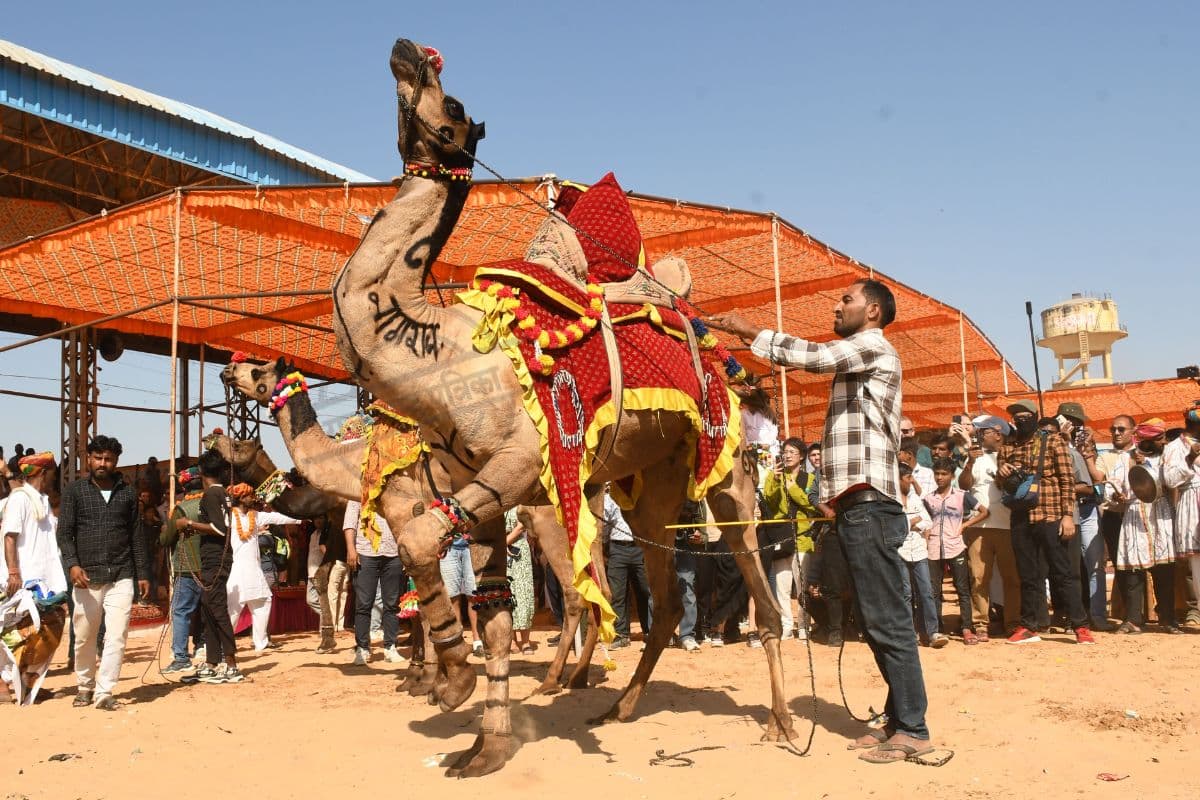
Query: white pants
110, 602
799, 574
260, 615
780, 579
337, 594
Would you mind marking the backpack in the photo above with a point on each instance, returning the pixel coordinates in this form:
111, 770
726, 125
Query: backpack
1025, 495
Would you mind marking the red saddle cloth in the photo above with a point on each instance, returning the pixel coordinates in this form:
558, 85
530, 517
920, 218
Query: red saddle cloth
568, 391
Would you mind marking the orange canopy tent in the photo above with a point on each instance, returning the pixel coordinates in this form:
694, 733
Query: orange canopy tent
250, 268
1167, 398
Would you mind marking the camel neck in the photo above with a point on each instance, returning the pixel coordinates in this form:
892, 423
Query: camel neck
297, 415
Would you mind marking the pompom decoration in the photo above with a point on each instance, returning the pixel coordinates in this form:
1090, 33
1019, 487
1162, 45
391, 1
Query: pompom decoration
292, 384
435, 59
527, 326
238, 357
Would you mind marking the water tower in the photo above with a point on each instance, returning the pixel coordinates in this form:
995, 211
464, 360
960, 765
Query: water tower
1079, 330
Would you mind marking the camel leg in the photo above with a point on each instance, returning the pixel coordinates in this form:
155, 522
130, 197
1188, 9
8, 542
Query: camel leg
552, 537
492, 747
733, 500
418, 543
664, 487
418, 680
579, 678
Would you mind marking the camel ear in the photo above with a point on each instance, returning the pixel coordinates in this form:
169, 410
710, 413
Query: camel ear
281, 366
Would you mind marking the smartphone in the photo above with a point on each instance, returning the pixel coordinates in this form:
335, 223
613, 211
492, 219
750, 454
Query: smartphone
957, 419
1063, 421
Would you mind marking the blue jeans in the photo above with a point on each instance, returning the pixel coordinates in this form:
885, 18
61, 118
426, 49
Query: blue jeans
184, 602
870, 535
920, 591
685, 573
385, 575
1091, 545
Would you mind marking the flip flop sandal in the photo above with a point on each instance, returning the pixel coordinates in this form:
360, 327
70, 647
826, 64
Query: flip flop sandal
82, 700
885, 753
879, 736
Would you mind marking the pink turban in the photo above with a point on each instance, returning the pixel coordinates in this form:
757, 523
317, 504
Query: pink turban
1150, 429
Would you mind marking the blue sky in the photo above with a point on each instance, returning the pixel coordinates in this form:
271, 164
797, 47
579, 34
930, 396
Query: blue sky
984, 153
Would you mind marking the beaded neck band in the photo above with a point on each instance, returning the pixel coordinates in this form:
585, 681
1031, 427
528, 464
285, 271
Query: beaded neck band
438, 172
458, 521
291, 384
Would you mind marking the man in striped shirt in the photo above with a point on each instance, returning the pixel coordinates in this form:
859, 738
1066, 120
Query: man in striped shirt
859, 476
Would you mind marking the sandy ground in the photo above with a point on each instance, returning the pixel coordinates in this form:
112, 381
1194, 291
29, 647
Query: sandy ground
1038, 720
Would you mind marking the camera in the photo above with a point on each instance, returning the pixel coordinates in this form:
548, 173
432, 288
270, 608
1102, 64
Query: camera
1014, 480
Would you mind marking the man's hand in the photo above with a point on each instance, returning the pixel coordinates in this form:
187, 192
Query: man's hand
144, 589
352, 560
732, 323
962, 431
1138, 456
1067, 530
79, 578
1004, 470
974, 452
14, 583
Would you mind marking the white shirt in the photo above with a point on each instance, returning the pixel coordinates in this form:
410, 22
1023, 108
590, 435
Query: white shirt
923, 477
37, 547
987, 493
914, 548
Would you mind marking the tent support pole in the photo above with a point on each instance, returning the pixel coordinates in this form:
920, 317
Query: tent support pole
783, 387
174, 403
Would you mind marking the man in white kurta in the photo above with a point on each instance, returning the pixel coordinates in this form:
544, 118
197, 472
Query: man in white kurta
247, 586
1181, 471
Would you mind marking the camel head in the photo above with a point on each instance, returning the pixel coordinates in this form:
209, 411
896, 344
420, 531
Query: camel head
255, 381
439, 132
241, 453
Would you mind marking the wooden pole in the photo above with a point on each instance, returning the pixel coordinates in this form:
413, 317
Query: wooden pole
174, 402
962, 352
783, 387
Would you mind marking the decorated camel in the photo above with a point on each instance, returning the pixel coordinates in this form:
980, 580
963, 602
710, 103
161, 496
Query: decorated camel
497, 382
254, 466
413, 486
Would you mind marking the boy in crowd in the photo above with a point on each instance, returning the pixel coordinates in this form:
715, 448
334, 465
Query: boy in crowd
915, 553
952, 511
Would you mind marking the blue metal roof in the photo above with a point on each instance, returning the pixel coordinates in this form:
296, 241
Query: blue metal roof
46, 87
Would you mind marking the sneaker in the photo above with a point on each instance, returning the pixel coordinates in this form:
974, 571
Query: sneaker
554, 640
982, 637
377, 636
969, 636
233, 675
1023, 635
1083, 636
201, 655
213, 676
689, 644
361, 656
393, 655
716, 641
176, 667
477, 649
204, 672
619, 642
802, 634
938, 641
753, 642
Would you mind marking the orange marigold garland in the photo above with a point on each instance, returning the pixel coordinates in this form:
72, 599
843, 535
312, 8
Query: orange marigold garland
544, 339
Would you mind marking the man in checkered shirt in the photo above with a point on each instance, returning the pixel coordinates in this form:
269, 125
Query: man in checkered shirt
859, 474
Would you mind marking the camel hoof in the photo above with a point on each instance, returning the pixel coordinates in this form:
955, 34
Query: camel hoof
786, 735
547, 688
422, 688
612, 715
458, 686
491, 755
464, 758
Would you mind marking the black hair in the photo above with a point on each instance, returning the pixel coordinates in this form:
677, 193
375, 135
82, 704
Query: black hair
876, 292
212, 464
905, 470
105, 444
796, 443
909, 444
942, 438
1050, 421
814, 447
943, 465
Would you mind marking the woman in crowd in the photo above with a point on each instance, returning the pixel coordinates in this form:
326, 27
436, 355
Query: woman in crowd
788, 501
520, 572
248, 586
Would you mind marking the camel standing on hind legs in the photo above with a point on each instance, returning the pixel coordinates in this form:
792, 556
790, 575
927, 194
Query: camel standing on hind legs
406, 351
312, 449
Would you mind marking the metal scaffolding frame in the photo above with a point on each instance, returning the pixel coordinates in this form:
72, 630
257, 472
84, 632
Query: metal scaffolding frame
79, 397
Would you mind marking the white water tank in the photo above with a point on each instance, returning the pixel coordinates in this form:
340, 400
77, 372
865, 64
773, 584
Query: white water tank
1079, 330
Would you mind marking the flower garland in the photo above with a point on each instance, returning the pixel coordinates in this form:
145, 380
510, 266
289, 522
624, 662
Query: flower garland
451, 511
290, 385
251, 518
494, 594
436, 171
734, 371
544, 339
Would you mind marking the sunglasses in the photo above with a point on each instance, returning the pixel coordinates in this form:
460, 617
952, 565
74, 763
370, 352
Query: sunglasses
1117, 429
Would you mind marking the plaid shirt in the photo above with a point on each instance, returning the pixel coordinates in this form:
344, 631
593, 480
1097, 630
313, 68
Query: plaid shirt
1056, 488
101, 536
862, 425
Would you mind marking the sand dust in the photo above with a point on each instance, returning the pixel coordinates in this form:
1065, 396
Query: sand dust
1033, 721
